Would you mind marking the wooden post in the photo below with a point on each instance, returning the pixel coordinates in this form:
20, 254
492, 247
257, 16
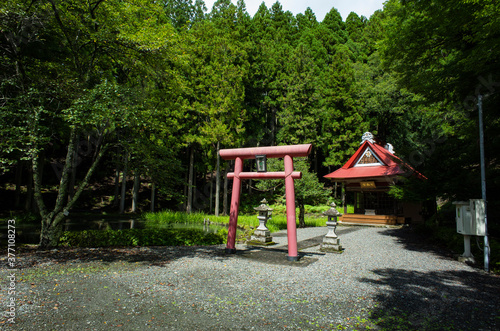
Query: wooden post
343, 198
235, 203
190, 182
286, 152
291, 222
217, 182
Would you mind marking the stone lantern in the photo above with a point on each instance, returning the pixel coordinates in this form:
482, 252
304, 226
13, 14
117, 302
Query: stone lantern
331, 242
262, 234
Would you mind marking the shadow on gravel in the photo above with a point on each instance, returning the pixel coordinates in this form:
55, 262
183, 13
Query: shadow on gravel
436, 300
416, 242
277, 256
154, 255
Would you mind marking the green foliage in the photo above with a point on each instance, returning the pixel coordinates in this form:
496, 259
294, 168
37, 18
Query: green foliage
166, 217
106, 104
441, 46
280, 209
439, 57
139, 237
148, 79
341, 120
308, 189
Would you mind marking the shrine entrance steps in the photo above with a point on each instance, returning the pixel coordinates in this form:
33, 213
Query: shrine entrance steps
371, 219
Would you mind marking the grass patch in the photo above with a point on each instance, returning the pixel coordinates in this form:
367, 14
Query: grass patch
164, 219
39, 274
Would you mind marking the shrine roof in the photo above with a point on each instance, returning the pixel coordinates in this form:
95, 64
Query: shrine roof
371, 160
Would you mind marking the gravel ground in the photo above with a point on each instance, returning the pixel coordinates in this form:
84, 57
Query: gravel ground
386, 278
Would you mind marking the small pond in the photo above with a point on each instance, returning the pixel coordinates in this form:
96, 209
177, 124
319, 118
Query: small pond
30, 233
114, 224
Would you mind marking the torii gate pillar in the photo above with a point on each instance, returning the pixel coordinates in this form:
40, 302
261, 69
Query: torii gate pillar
286, 152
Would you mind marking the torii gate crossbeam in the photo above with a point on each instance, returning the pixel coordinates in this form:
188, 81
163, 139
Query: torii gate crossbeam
286, 152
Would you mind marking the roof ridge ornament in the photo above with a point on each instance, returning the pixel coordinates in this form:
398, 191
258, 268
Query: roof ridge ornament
389, 147
367, 136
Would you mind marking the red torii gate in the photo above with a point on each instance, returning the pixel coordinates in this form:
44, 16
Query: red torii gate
286, 152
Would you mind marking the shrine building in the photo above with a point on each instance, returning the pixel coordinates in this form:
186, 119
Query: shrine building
368, 175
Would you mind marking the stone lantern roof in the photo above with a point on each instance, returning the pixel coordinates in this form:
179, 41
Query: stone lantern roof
263, 206
332, 211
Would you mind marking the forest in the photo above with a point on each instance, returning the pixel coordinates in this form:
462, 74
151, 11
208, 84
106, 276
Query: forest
97, 91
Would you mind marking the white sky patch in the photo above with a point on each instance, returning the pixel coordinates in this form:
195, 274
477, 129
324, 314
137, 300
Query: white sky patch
319, 7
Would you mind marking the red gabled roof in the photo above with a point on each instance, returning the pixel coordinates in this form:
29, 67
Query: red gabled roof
392, 165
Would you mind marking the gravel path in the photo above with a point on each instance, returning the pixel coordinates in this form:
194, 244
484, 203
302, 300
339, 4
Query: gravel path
386, 278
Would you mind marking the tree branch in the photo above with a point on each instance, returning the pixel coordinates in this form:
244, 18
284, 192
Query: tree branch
61, 25
37, 186
85, 181
63, 184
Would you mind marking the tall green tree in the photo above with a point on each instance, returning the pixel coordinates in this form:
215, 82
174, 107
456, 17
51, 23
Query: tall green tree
447, 51
298, 118
442, 46
76, 81
214, 100
184, 13
274, 33
308, 189
341, 118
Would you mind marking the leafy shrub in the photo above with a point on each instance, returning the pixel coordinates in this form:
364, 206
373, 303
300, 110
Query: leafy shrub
139, 237
222, 232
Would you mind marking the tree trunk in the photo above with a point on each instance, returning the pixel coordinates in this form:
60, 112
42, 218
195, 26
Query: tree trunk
217, 182
116, 193
124, 183
52, 222
135, 192
29, 191
19, 178
190, 182
211, 191
74, 164
185, 192
52, 228
302, 212
315, 161
153, 187
250, 180
274, 125
224, 200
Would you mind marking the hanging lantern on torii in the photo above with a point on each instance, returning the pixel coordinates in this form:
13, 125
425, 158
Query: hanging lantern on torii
261, 154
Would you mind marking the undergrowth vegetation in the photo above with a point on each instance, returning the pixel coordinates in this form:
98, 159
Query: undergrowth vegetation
166, 228
174, 228
139, 237
277, 222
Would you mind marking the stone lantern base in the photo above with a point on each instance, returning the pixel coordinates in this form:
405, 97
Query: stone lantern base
331, 242
331, 245
261, 237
